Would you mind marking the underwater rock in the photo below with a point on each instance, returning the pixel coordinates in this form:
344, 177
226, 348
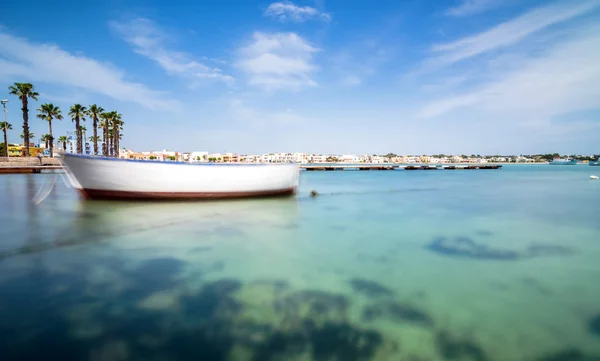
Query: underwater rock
453, 349
594, 325
541, 249
571, 354
397, 312
314, 193
467, 247
370, 288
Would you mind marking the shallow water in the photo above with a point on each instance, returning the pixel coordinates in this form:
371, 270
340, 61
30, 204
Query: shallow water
397, 265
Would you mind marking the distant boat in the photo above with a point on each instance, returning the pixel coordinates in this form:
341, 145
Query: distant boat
558, 161
595, 164
113, 178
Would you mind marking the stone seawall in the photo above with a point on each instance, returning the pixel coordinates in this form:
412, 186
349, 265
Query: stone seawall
22, 161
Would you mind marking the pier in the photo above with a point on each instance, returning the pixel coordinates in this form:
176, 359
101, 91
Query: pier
371, 167
27, 169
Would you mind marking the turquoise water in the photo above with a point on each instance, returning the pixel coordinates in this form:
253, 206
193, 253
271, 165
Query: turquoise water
467, 265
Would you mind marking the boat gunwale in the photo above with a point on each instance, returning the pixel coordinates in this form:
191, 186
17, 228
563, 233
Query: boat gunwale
211, 164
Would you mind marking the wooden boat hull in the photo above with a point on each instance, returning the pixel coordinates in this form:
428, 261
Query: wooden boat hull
110, 178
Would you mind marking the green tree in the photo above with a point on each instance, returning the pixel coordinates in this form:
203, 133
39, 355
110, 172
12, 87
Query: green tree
78, 113
46, 139
152, 157
104, 123
48, 112
24, 91
6, 126
63, 139
94, 113
116, 123
31, 136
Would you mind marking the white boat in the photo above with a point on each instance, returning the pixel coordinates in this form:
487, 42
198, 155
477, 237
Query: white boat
113, 178
595, 164
558, 161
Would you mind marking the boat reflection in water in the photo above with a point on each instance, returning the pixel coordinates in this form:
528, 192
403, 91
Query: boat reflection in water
110, 178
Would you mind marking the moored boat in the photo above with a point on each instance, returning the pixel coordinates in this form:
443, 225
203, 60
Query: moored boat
567, 161
112, 178
595, 164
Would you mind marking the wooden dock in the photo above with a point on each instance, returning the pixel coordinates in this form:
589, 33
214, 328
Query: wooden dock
340, 167
27, 169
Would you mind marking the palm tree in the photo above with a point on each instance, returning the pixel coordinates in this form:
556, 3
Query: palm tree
104, 123
63, 139
84, 140
48, 112
31, 136
46, 139
94, 112
116, 123
78, 113
24, 91
5, 126
94, 138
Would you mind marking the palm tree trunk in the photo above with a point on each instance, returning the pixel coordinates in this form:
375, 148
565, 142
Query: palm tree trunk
24, 101
115, 140
78, 134
95, 135
64, 146
5, 143
106, 149
51, 140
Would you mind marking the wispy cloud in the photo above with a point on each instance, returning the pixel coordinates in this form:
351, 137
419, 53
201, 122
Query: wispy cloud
21, 59
151, 41
470, 7
512, 31
240, 111
561, 81
278, 61
287, 11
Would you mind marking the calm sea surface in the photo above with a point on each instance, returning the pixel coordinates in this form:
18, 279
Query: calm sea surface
474, 265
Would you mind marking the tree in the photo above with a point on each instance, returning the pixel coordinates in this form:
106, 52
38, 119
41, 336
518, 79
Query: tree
6, 126
24, 91
152, 157
31, 136
171, 158
46, 139
77, 113
104, 120
63, 139
94, 113
49, 112
117, 122
94, 139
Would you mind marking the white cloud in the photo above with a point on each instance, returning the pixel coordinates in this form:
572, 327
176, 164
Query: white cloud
150, 41
557, 83
351, 80
287, 11
23, 60
511, 32
278, 61
248, 114
470, 7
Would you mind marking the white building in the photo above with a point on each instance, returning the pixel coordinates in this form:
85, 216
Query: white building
199, 157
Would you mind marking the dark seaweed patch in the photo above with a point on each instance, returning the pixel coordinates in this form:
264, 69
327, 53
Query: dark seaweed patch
467, 247
370, 288
317, 303
218, 266
541, 249
454, 349
401, 313
533, 284
594, 325
571, 354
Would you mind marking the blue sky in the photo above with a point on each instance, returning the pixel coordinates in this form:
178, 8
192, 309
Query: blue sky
325, 76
